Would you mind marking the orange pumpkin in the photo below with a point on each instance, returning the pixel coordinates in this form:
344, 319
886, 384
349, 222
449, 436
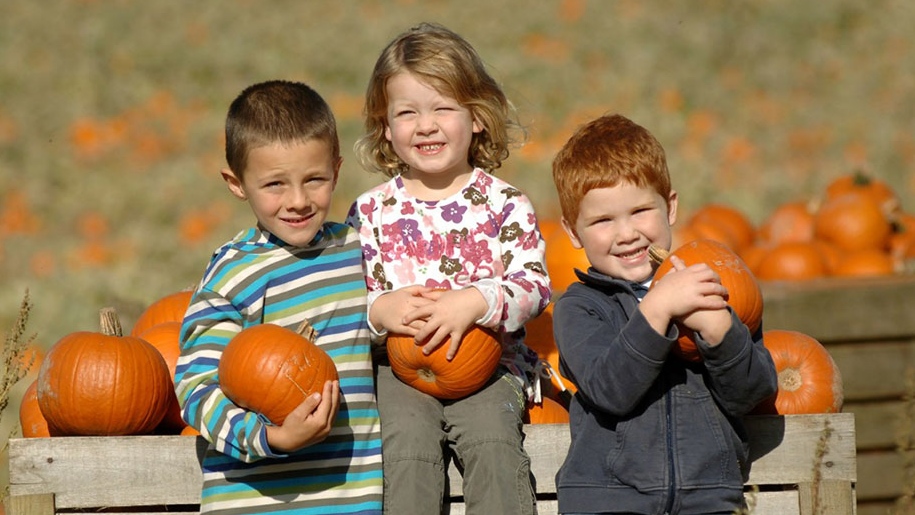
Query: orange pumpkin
862, 182
271, 370
724, 224
808, 379
744, 294
866, 263
103, 384
792, 261
166, 338
853, 221
170, 308
31, 420
475, 362
547, 412
791, 221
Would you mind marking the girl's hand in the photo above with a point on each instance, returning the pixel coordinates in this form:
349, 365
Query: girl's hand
389, 310
449, 314
309, 423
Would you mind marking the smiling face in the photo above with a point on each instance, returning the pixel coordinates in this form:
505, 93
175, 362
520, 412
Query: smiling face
289, 187
429, 131
616, 224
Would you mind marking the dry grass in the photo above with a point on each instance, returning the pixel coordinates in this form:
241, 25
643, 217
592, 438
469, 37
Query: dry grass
111, 114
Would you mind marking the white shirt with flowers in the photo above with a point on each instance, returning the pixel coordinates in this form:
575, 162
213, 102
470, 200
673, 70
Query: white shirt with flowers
485, 236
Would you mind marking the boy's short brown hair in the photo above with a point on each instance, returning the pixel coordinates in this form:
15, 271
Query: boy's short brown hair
602, 154
276, 111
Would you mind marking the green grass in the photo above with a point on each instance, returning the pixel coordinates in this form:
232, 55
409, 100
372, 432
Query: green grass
756, 103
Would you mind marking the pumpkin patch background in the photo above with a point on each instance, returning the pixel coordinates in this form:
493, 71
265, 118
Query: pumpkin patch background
111, 117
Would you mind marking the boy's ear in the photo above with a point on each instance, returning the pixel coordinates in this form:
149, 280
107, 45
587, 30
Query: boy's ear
337, 166
234, 184
570, 232
477, 126
672, 201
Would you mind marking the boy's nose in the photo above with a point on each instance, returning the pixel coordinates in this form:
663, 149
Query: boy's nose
297, 199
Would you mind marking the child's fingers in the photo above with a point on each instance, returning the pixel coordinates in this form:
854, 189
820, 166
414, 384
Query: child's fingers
677, 263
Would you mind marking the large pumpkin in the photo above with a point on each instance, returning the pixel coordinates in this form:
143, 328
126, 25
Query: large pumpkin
475, 362
744, 294
31, 420
271, 370
103, 384
808, 379
170, 308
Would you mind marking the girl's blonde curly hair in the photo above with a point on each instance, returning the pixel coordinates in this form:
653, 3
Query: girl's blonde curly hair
448, 63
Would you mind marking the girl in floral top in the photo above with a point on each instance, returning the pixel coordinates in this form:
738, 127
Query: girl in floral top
447, 246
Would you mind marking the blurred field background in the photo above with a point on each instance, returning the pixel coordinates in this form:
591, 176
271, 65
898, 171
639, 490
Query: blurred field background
111, 115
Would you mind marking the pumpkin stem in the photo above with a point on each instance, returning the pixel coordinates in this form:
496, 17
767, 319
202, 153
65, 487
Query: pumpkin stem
306, 330
110, 323
657, 254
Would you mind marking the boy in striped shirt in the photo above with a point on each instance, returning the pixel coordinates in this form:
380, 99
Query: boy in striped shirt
283, 157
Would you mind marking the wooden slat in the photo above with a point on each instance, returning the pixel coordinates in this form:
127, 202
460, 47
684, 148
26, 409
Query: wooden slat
878, 425
108, 471
784, 449
863, 363
842, 309
162, 473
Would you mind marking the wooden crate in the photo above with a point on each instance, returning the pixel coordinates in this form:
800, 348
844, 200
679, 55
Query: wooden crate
801, 465
868, 326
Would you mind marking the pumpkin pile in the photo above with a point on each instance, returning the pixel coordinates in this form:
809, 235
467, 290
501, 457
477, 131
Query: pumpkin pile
433, 374
855, 228
106, 383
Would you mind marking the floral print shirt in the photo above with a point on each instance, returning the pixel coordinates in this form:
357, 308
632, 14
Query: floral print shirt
485, 236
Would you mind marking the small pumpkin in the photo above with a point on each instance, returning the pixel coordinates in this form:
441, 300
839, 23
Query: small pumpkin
475, 362
808, 379
788, 222
853, 221
792, 261
170, 308
103, 383
271, 370
744, 294
547, 412
723, 223
31, 420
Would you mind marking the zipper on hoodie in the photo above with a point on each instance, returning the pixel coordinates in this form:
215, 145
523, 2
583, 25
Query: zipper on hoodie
670, 453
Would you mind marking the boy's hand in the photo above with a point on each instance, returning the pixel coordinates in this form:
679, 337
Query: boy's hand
681, 292
712, 324
390, 310
309, 423
450, 313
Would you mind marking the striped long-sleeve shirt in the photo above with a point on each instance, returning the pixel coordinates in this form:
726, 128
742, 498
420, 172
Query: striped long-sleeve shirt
256, 279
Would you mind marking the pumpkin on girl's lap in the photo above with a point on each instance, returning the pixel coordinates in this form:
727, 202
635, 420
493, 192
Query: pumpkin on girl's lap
475, 362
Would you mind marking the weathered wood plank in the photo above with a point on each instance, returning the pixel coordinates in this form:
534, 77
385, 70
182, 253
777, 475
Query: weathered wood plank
875, 482
842, 309
162, 473
874, 369
108, 471
878, 425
